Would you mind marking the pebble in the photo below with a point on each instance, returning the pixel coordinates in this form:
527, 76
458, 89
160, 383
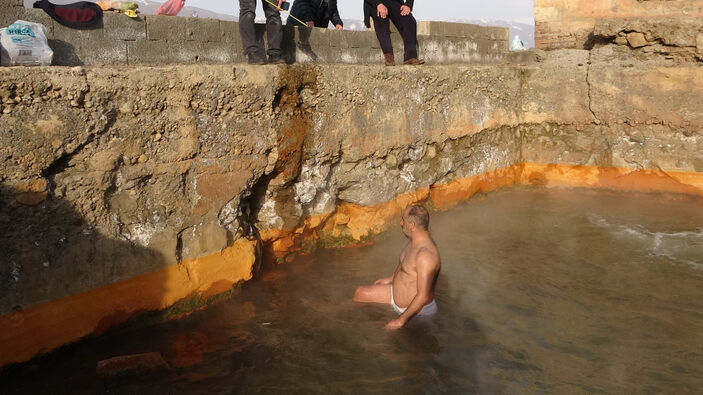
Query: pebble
157, 137
143, 158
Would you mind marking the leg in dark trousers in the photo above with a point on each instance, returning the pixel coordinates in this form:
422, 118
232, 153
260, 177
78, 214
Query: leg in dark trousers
247, 14
274, 33
407, 26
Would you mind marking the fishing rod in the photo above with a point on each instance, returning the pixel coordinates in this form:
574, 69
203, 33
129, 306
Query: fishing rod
289, 14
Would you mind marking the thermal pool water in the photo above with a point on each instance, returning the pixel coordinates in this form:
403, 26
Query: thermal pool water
541, 291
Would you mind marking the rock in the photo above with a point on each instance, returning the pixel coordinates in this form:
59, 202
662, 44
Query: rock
131, 365
33, 192
621, 40
142, 158
636, 40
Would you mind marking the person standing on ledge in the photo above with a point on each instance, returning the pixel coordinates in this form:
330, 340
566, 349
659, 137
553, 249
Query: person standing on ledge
400, 12
410, 290
274, 32
317, 13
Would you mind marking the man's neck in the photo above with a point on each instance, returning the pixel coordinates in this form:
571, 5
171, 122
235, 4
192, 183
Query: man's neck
419, 237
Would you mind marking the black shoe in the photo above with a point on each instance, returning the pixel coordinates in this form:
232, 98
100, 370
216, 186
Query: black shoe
276, 59
253, 59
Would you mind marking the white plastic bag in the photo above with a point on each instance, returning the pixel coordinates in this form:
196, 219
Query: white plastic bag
517, 44
24, 43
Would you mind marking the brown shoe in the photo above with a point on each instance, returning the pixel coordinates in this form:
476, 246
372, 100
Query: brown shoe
414, 61
390, 61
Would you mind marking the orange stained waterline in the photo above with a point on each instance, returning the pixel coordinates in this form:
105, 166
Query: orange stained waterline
42, 328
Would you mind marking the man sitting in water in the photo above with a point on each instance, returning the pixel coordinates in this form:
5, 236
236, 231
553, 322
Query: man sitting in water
410, 290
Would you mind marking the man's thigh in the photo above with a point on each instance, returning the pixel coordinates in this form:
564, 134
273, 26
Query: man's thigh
380, 293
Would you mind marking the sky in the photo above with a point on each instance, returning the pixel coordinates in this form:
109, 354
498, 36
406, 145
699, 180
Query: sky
435, 10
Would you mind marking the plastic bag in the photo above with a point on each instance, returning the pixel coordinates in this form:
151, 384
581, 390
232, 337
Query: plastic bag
517, 44
24, 43
118, 5
171, 7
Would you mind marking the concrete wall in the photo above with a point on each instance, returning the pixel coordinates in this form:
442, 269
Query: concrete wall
156, 39
569, 24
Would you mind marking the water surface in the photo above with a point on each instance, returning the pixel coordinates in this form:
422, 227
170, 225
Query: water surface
541, 291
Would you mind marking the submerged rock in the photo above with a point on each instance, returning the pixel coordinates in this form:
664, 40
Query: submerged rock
130, 365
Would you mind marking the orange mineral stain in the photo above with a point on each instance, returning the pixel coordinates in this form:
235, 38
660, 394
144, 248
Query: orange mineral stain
42, 328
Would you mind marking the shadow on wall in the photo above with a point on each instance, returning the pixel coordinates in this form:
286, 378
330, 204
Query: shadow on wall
54, 274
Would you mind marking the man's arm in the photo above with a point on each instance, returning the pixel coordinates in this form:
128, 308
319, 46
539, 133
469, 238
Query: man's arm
427, 266
334, 14
384, 280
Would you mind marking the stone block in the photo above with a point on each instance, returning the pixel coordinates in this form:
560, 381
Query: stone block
337, 38
148, 52
65, 53
165, 28
229, 31
121, 27
203, 30
67, 34
103, 52
10, 15
370, 56
316, 39
91, 51
219, 53
4, 4
189, 52
636, 40
361, 39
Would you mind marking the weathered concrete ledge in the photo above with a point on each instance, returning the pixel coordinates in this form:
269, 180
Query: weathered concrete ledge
159, 40
184, 177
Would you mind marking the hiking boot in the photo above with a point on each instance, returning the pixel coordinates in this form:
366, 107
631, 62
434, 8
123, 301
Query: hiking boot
254, 59
276, 59
390, 61
414, 61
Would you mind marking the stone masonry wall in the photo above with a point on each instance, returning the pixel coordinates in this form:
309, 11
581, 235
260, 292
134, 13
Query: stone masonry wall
110, 174
569, 24
153, 39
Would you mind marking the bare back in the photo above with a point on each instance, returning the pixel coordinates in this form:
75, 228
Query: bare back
419, 262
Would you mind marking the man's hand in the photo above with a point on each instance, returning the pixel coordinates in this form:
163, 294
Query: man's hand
280, 3
404, 10
338, 27
382, 11
310, 23
395, 324
383, 281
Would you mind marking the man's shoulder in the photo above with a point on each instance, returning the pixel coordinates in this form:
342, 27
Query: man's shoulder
427, 252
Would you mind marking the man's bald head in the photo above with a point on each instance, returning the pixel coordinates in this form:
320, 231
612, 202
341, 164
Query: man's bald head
418, 215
